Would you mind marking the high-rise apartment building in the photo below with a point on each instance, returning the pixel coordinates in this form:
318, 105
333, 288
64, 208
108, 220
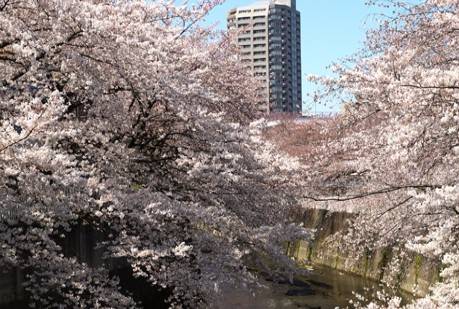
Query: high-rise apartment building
270, 45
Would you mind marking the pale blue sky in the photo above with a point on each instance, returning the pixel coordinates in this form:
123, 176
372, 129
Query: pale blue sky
330, 30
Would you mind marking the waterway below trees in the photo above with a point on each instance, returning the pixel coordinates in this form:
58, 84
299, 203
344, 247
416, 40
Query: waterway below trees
323, 288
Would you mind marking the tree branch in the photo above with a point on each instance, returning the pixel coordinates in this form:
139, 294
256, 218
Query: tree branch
429, 87
3, 5
393, 207
25, 137
371, 193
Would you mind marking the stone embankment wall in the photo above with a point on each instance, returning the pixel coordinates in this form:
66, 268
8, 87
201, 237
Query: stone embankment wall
415, 273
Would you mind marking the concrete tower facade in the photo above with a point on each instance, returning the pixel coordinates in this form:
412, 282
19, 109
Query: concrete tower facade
270, 46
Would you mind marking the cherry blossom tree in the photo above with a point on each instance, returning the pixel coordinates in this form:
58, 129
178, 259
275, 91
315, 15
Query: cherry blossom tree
131, 119
392, 154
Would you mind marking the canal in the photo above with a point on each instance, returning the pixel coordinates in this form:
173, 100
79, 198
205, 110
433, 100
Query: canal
322, 288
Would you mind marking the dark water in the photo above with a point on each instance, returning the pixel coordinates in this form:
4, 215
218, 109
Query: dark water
323, 288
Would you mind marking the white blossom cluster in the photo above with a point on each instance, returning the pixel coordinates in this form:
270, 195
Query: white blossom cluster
393, 157
128, 118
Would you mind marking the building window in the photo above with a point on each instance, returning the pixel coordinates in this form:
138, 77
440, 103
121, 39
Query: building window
243, 39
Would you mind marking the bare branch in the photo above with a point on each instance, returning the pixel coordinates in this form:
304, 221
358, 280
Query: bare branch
367, 194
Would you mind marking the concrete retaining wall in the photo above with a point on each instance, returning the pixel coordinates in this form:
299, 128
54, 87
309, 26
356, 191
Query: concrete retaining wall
415, 274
